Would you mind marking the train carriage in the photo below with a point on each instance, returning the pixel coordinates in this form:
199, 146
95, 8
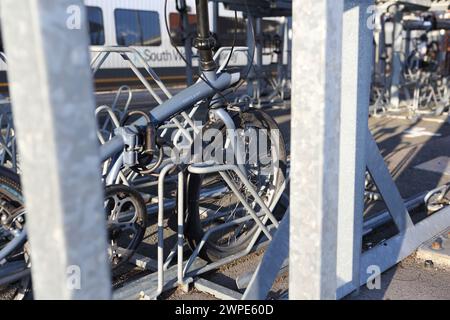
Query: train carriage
141, 24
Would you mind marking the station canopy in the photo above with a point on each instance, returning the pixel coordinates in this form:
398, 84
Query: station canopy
260, 8
416, 5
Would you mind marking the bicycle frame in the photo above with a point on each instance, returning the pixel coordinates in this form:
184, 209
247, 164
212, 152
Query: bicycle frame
211, 83
181, 102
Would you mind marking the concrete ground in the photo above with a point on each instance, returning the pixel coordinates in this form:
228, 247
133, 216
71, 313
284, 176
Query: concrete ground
409, 280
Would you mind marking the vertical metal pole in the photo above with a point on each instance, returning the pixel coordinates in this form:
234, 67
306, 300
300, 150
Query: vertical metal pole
51, 87
396, 60
289, 44
251, 49
180, 222
356, 77
215, 17
381, 51
316, 104
182, 10
377, 36
282, 33
259, 56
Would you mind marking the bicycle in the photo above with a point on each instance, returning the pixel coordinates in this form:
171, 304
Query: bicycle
248, 186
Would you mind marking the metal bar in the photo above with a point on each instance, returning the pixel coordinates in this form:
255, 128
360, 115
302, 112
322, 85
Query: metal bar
316, 103
146, 285
96, 65
387, 254
13, 244
13, 277
53, 106
182, 9
383, 217
251, 55
111, 147
199, 247
259, 57
12, 267
218, 291
262, 244
204, 169
246, 205
243, 280
141, 78
150, 71
386, 185
396, 59
186, 98
215, 17
251, 246
170, 257
355, 96
161, 179
180, 220
274, 257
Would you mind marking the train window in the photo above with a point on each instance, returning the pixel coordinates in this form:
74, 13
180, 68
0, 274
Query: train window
96, 26
137, 28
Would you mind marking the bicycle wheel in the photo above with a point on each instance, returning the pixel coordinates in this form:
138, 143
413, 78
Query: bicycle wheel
212, 204
126, 215
12, 217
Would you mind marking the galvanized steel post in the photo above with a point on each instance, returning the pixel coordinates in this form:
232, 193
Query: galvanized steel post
51, 87
357, 46
316, 104
397, 59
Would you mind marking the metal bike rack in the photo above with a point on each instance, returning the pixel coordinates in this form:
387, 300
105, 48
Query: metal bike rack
335, 112
185, 271
394, 36
182, 273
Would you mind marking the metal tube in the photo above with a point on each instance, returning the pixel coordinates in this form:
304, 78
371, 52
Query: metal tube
357, 45
204, 42
111, 147
115, 170
396, 59
13, 245
259, 57
48, 68
142, 79
161, 178
15, 277
180, 227
246, 205
316, 104
233, 137
182, 9
209, 169
186, 98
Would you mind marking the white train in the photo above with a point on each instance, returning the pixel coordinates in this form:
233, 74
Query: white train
140, 23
